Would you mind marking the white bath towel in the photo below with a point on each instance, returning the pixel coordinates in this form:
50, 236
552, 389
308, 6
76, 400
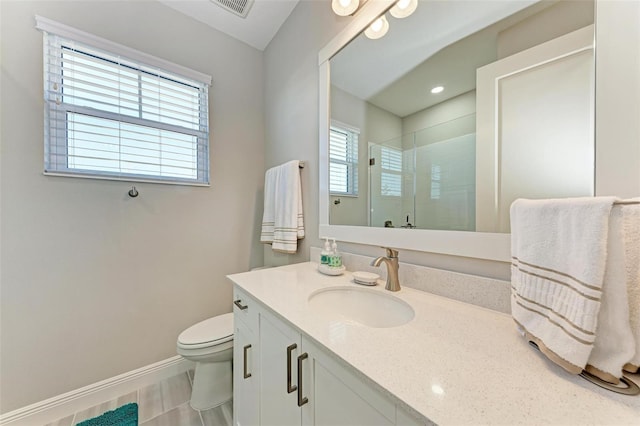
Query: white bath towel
615, 344
559, 252
631, 226
282, 220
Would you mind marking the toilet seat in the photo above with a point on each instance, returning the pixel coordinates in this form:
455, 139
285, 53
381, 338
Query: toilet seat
210, 332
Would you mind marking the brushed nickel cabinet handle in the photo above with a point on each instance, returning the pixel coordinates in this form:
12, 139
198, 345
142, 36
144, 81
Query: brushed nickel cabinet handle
239, 304
245, 349
301, 400
290, 388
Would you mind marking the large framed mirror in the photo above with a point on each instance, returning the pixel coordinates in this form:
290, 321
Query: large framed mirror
437, 172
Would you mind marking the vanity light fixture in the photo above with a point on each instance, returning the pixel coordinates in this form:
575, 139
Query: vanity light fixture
403, 8
437, 89
378, 28
345, 7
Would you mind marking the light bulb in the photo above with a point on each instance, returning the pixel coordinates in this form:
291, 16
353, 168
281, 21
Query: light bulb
378, 28
437, 389
403, 8
344, 7
437, 89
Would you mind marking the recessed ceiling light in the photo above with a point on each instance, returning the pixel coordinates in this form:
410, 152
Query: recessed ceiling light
437, 89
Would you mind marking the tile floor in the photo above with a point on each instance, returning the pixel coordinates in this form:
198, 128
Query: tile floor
161, 404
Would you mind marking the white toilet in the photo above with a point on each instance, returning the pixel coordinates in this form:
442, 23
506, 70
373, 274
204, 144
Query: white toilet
210, 345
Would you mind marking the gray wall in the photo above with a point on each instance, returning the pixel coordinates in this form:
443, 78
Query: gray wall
559, 19
291, 106
94, 283
376, 125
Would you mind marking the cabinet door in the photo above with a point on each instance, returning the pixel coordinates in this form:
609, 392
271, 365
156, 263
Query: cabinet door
279, 351
246, 377
340, 397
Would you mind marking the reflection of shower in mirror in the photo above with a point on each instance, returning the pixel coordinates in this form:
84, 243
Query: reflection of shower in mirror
425, 179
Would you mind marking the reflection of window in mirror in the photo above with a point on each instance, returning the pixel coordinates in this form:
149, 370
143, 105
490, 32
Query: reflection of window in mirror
435, 181
343, 159
391, 175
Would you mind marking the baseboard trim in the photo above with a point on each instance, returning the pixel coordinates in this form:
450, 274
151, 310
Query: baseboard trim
52, 409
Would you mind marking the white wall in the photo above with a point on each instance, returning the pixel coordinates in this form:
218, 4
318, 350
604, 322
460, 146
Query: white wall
443, 112
291, 92
559, 19
94, 283
350, 110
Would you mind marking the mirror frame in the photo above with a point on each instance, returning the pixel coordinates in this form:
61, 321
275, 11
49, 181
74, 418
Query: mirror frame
481, 245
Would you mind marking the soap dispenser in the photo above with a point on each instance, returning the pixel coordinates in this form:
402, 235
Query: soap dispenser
335, 259
326, 252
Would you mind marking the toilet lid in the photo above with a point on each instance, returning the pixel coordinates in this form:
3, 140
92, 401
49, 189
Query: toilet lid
214, 330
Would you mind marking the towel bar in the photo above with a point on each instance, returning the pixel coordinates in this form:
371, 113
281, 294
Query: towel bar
629, 388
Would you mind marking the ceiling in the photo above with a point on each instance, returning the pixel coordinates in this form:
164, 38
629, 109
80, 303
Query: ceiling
258, 28
411, 58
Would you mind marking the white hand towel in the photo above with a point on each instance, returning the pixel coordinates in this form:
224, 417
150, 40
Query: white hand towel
282, 220
631, 226
558, 252
615, 343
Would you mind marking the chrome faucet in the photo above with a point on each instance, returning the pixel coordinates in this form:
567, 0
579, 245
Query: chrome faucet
393, 283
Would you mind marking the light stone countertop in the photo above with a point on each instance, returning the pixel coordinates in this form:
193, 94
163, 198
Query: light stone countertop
454, 363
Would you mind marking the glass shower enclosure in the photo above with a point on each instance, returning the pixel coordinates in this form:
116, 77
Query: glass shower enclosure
425, 179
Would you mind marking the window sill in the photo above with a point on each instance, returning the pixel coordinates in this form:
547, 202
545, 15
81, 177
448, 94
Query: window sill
125, 179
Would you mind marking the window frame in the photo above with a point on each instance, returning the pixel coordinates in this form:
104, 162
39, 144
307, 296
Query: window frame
56, 139
351, 158
395, 171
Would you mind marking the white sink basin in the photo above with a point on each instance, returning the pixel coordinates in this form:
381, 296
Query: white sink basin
364, 306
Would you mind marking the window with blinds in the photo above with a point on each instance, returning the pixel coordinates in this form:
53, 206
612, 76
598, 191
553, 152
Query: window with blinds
343, 160
436, 181
111, 117
391, 174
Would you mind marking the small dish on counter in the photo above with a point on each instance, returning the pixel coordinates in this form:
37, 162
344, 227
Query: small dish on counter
365, 278
331, 270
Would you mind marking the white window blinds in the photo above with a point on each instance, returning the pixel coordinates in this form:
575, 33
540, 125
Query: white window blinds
436, 181
391, 176
113, 117
343, 160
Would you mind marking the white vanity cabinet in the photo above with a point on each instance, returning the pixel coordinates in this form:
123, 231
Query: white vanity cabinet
453, 363
280, 346
327, 393
246, 373
341, 398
